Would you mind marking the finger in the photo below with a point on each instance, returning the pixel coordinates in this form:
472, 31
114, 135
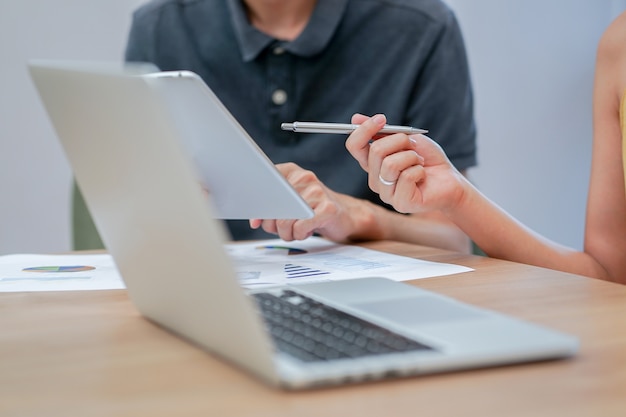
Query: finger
408, 197
312, 191
430, 150
396, 153
358, 118
289, 230
255, 223
284, 228
288, 168
358, 142
316, 196
269, 226
303, 229
393, 165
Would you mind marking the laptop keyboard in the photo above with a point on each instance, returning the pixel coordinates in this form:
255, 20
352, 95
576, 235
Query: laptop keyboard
312, 331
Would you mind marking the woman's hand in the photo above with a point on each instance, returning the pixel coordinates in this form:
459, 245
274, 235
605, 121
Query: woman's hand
412, 173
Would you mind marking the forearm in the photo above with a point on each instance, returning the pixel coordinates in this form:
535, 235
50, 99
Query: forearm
428, 229
374, 222
501, 236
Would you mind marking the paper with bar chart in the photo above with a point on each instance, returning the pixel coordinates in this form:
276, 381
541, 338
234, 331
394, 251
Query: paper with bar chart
274, 262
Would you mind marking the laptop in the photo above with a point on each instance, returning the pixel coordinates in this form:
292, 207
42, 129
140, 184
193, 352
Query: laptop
158, 224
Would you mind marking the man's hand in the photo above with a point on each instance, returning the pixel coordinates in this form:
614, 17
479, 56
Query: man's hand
336, 216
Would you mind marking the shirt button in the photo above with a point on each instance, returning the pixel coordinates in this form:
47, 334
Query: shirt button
279, 50
279, 97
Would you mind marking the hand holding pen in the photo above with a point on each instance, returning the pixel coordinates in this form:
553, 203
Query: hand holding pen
411, 173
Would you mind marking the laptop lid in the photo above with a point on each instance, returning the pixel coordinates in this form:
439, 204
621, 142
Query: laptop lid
152, 215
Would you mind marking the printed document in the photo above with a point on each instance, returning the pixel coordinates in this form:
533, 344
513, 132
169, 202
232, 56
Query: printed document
257, 263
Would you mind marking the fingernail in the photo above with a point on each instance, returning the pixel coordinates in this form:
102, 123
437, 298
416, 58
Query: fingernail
379, 119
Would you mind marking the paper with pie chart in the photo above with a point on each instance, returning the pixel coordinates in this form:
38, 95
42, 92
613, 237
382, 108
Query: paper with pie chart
273, 262
36, 272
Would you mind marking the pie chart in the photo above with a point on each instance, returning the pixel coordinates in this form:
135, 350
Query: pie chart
64, 269
289, 250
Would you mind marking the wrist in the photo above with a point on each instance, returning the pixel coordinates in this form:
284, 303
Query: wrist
460, 197
367, 221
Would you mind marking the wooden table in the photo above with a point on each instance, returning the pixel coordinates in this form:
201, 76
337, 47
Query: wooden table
89, 353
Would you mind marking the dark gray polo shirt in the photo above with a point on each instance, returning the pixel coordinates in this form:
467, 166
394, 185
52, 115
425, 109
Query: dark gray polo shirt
404, 58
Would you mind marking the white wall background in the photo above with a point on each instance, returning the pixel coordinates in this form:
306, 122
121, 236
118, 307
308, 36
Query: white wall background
532, 66
35, 178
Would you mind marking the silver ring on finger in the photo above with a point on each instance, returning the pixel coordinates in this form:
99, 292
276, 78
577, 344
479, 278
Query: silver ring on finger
384, 181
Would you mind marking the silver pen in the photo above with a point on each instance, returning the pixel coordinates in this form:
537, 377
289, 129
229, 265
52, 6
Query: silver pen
347, 128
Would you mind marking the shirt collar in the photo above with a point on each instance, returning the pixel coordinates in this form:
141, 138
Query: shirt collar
315, 37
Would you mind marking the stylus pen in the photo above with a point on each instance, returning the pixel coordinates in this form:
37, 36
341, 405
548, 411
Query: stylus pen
317, 127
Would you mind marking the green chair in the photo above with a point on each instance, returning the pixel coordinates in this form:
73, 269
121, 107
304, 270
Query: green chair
84, 233
476, 250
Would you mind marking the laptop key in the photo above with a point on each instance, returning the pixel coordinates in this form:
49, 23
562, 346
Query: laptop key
312, 331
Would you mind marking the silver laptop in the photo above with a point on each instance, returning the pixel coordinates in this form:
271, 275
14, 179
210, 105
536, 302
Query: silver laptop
156, 222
